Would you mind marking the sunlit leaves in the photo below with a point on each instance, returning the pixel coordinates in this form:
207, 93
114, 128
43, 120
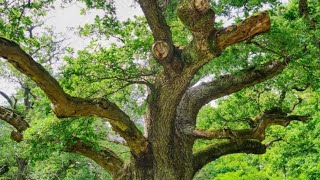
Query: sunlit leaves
238, 8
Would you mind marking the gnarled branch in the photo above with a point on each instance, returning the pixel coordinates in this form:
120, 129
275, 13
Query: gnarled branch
156, 20
213, 152
271, 117
242, 141
66, 106
14, 119
247, 29
208, 42
105, 158
198, 96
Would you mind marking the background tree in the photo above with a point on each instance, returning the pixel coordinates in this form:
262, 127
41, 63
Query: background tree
189, 45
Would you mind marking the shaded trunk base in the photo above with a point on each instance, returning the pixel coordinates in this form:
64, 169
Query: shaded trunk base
178, 166
151, 174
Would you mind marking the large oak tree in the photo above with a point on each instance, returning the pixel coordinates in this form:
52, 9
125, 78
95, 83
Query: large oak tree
176, 91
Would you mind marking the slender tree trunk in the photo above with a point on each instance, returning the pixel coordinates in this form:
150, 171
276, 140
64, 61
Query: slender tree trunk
22, 168
303, 8
4, 169
26, 97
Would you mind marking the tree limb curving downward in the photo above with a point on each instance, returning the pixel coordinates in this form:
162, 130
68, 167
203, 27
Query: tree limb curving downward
104, 157
14, 119
271, 117
215, 151
198, 96
241, 141
66, 106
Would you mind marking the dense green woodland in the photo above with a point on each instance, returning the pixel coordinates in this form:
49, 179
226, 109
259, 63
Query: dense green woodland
117, 109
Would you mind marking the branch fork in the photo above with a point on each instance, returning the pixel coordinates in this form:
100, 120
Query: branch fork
271, 117
66, 106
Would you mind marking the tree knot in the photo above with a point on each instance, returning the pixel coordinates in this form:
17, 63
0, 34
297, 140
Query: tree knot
161, 50
202, 6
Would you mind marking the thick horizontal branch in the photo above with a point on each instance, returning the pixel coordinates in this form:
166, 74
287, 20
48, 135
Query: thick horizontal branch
23, 62
271, 117
105, 158
156, 20
198, 96
208, 42
213, 152
16, 121
247, 29
242, 141
66, 106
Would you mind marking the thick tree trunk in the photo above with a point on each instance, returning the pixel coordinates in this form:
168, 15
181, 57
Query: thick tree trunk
171, 152
139, 168
169, 155
177, 165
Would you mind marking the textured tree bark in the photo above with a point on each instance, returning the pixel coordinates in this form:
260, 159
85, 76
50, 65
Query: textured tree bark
271, 117
213, 152
249, 28
162, 131
160, 50
105, 158
66, 106
14, 119
198, 96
